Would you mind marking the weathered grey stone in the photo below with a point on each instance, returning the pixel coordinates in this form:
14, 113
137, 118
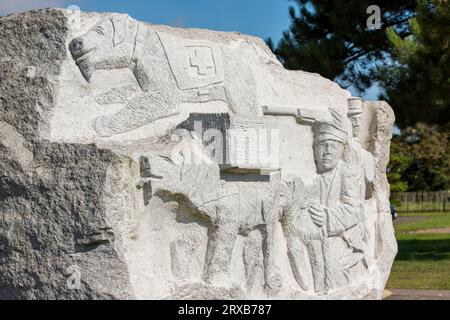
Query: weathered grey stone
109, 191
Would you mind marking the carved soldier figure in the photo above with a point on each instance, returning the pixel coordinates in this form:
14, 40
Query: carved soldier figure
363, 160
324, 222
360, 156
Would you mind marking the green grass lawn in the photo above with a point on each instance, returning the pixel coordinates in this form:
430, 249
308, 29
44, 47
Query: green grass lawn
423, 260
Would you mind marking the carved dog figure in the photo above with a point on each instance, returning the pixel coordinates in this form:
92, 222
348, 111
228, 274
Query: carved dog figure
119, 41
232, 208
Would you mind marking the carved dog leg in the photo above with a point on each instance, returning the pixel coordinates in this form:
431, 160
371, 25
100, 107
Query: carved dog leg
138, 112
318, 264
220, 248
181, 252
252, 256
271, 271
298, 255
180, 255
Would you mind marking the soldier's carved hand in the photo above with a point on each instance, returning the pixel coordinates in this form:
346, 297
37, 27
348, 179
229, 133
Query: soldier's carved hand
318, 215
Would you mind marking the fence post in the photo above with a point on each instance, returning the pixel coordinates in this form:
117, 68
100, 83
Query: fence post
407, 203
421, 201
444, 201
433, 201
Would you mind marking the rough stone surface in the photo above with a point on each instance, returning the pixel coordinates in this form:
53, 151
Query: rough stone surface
140, 161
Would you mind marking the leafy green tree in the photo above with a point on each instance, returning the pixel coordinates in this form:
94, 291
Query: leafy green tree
417, 84
332, 38
420, 159
408, 57
399, 161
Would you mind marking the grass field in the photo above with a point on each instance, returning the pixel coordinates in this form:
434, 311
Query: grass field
423, 259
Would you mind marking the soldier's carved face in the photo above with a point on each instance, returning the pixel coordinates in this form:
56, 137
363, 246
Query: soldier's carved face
355, 119
327, 154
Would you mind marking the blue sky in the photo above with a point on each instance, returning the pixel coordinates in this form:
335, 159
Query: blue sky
262, 18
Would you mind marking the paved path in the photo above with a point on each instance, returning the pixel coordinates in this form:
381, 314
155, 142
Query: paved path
412, 294
401, 219
432, 230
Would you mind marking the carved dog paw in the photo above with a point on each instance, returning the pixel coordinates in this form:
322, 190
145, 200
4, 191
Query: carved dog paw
273, 281
102, 125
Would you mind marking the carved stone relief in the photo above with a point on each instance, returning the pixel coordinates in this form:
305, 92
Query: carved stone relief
328, 231
169, 70
196, 166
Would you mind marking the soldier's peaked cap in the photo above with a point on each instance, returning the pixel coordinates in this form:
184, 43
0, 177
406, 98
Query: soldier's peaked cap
329, 131
354, 105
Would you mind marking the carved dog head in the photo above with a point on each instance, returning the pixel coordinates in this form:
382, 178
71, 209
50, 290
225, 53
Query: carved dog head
188, 170
108, 45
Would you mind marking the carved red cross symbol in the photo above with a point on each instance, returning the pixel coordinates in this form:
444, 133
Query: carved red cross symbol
202, 60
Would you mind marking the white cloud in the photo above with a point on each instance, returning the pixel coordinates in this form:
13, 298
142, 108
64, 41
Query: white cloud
12, 6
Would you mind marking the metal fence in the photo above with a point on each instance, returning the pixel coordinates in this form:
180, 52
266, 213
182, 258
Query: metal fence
421, 201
